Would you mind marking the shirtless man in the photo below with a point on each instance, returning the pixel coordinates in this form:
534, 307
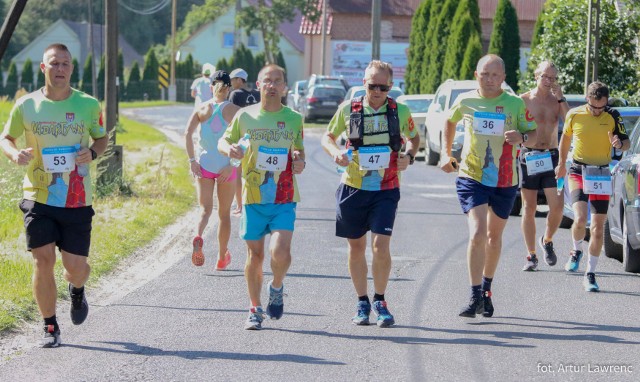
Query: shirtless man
537, 162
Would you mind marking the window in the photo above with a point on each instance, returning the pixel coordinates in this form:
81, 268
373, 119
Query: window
252, 41
227, 40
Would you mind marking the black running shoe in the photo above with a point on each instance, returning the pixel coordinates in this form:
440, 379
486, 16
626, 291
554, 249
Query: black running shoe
51, 338
79, 306
549, 254
488, 304
476, 306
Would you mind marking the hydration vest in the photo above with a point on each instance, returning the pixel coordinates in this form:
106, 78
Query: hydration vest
356, 124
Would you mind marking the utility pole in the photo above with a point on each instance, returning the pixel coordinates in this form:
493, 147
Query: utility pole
91, 45
110, 168
237, 30
9, 25
376, 10
323, 40
172, 83
593, 28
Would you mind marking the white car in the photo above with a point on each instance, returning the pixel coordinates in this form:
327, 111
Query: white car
357, 91
418, 104
436, 118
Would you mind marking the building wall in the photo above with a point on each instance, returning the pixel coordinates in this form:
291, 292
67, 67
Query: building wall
357, 27
313, 55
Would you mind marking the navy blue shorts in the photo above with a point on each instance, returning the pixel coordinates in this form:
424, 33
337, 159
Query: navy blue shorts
359, 211
68, 228
472, 193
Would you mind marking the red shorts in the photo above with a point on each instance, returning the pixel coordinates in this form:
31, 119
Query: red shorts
211, 175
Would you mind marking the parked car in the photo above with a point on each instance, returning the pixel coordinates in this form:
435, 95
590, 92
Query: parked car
317, 79
436, 117
418, 104
630, 116
321, 101
622, 228
357, 91
295, 94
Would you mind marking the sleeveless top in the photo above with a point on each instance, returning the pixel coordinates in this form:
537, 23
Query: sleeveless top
211, 131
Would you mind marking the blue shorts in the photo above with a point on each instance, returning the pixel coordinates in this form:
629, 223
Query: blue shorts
472, 193
359, 211
259, 220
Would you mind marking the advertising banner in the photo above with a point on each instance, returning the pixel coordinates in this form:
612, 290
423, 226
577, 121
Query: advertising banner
350, 59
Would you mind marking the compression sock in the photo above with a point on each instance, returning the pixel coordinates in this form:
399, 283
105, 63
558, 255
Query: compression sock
486, 283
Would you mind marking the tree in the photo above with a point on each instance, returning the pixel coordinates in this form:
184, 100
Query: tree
40, 79
26, 77
222, 64
1, 81
471, 57
11, 86
419, 24
432, 72
121, 87
134, 88
150, 75
100, 79
87, 85
267, 20
505, 40
466, 24
75, 74
564, 42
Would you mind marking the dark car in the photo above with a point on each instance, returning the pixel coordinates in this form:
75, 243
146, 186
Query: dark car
321, 101
622, 228
317, 79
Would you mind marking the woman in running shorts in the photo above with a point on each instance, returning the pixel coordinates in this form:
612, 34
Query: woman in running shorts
211, 167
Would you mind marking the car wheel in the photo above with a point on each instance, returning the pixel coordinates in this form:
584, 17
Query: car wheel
631, 257
517, 206
612, 249
431, 157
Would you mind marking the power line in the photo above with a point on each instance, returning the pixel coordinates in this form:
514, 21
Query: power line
144, 7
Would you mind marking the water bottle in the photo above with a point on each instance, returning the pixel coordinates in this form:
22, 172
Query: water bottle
349, 152
244, 145
83, 169
560, 186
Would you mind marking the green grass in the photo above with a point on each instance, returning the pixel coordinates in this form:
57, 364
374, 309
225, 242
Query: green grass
160, 191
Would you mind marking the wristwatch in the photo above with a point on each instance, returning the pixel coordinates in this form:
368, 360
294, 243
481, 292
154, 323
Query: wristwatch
94, 154
563, 99
525, 138
411, 158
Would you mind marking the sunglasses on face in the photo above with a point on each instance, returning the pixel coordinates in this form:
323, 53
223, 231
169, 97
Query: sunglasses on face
596, 107
382, 88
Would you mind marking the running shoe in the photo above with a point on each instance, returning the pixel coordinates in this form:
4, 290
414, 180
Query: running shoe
275, 308
254, 321
79, 306
531, 264
51, 337
488, 304
549, 254
221, 265
589, 282
574, 261
197, 258
385, 318
362, 314
476, 306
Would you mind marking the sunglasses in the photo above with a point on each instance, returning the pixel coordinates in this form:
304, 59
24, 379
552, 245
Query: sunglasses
596, 107
382, 88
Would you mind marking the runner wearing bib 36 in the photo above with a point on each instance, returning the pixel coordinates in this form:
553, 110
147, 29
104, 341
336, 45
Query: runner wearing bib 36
594, 128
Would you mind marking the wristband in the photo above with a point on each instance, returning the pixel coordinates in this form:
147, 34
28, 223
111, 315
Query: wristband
192, 159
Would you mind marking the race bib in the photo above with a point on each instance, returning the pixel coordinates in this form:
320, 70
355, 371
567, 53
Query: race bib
596, 180
538, 162
374, 158
488, 123
272, 159
59, 159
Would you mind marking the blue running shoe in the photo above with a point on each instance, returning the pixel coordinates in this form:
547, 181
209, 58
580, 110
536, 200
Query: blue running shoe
362, 315
589, 282
79, 306
574, 261
254, 321
275, 308
385, 318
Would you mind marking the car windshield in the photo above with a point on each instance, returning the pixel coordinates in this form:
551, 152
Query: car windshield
330, 81
417, 105
455, 93
328, 92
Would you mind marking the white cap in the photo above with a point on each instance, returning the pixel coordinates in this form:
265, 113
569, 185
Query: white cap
207, 69
239, 73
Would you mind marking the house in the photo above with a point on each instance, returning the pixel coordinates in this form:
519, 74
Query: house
348, 40
215, 40
75, 36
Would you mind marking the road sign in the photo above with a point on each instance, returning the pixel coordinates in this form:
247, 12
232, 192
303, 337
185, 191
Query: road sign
163, 76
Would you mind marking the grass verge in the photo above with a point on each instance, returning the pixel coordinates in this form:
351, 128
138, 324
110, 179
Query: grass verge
155, 189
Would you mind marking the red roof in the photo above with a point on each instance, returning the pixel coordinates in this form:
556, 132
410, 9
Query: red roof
526, 9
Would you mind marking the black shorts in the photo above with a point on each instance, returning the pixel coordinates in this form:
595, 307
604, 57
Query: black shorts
599, 204
542, 180
359, 211
69, 228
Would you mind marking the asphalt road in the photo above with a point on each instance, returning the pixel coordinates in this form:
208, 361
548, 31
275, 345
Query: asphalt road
187, 323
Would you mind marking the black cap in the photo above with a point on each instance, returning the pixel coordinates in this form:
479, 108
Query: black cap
221, 76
